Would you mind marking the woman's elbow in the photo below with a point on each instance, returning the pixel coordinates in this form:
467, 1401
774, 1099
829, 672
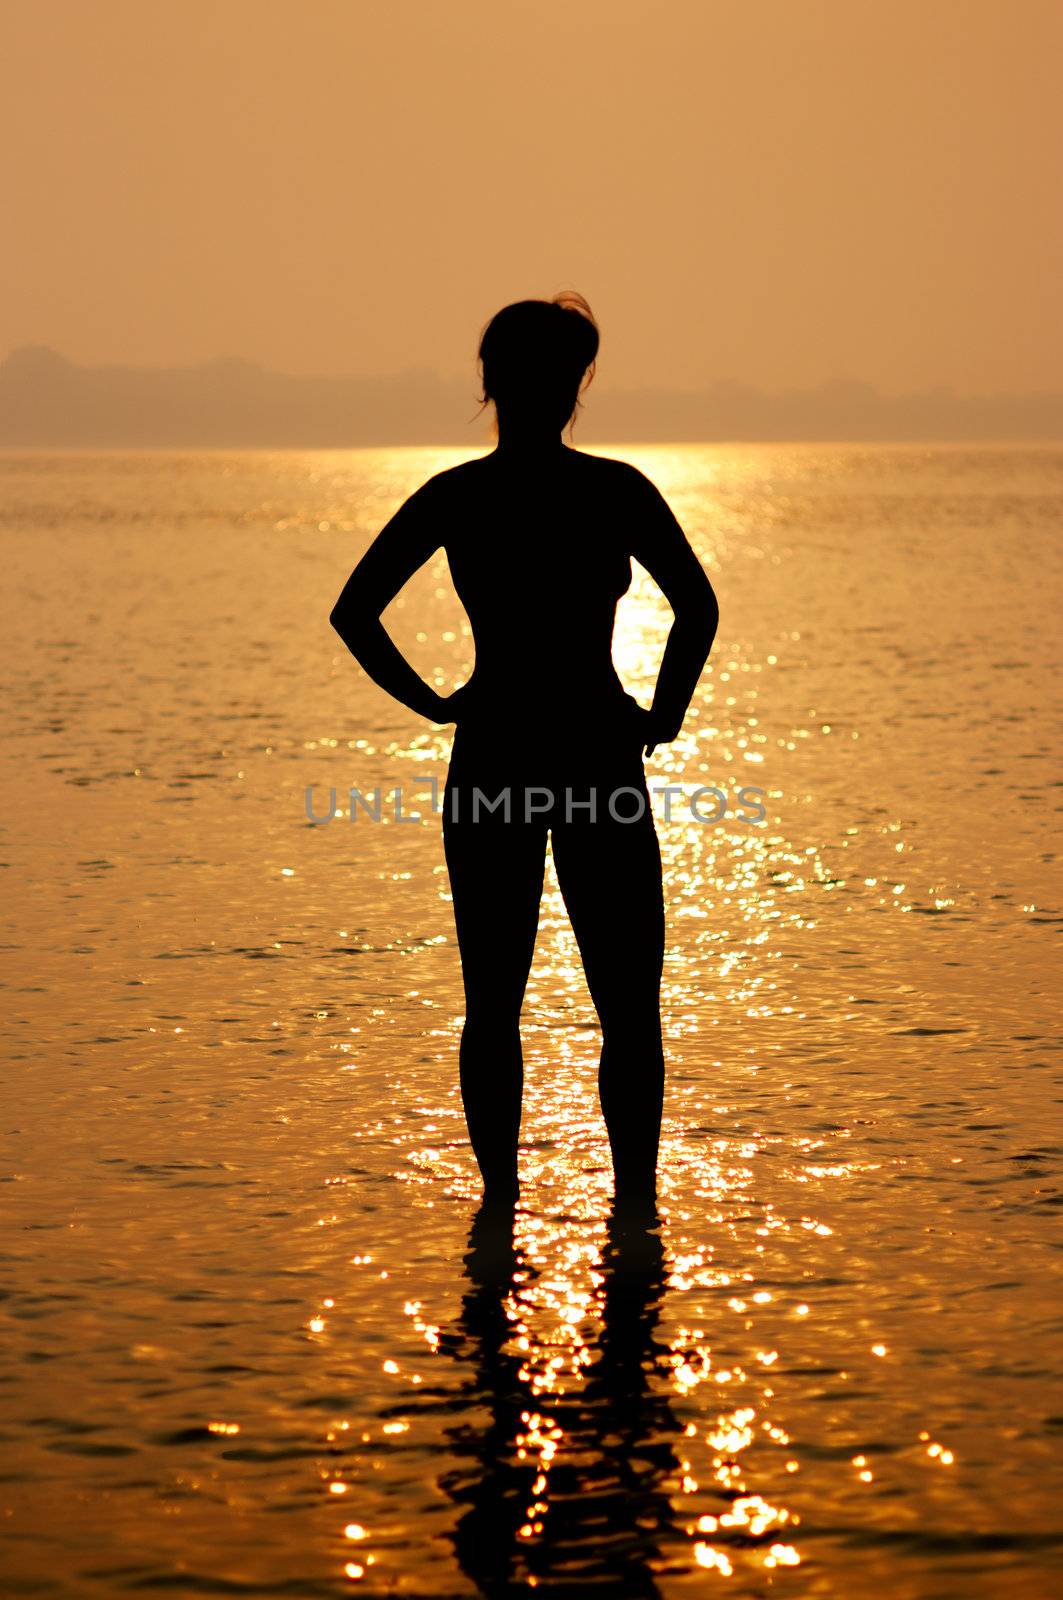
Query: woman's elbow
349, 622
349, 616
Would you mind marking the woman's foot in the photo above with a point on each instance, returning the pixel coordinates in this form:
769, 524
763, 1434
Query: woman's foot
636, 1206
491, 1256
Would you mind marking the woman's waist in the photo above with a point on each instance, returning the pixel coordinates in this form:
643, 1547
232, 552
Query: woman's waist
544, 699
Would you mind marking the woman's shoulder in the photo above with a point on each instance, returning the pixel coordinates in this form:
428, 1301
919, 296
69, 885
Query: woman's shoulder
452, 483
617, 483
612, 470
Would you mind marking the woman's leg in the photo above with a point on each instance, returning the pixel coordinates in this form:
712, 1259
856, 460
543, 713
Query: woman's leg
496, 876
610, 876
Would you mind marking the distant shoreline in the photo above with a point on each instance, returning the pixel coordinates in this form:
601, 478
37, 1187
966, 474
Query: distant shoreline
49, 402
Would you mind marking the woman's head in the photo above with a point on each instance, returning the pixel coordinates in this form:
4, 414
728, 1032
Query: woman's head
536, 357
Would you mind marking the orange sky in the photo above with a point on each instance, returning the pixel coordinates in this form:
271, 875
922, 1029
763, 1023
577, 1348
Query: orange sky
779, 191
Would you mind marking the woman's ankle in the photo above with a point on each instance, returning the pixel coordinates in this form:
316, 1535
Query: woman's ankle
501, 1190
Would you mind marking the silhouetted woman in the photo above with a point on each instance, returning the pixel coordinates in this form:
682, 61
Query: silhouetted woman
539, 538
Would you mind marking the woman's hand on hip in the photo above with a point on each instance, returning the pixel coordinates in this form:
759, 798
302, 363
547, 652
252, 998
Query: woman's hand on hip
455, 704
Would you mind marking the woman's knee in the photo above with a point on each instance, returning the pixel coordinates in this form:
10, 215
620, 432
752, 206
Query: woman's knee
491, 1019
631, 1028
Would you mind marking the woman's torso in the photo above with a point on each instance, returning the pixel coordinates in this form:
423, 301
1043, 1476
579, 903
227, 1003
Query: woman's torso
539, 557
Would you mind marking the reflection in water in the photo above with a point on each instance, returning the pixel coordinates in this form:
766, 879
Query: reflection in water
569, 1489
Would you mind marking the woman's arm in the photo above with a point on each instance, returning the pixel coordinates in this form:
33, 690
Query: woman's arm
661, 546
403, 544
